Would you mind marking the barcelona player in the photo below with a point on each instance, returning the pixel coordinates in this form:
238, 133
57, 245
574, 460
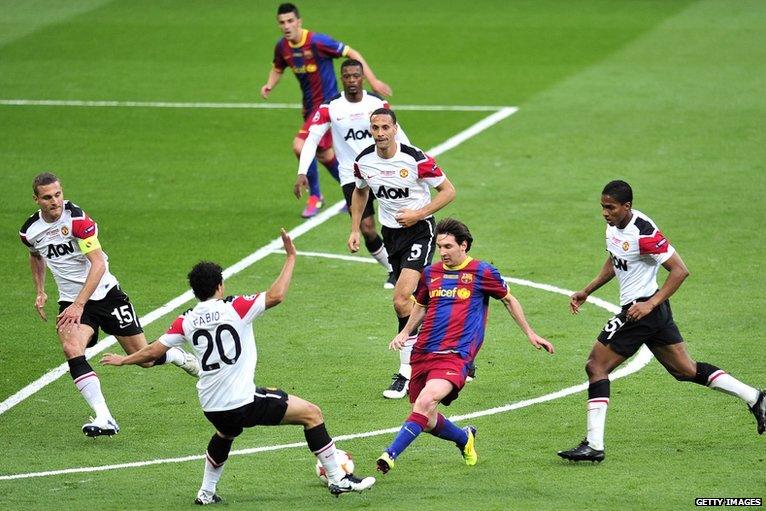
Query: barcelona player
310, 56
451, 301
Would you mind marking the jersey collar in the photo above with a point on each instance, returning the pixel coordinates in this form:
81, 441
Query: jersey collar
304, 36
460, 266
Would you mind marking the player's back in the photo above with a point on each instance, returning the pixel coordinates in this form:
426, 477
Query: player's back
221, 334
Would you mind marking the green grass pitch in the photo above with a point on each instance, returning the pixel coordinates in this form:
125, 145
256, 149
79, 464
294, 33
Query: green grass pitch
667, 95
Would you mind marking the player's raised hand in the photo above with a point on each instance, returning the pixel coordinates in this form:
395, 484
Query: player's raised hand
538, 342
576, 300
381, 88
265, 91
40, 301
301, 184
353, 241
287, 242
398, 341
110, 359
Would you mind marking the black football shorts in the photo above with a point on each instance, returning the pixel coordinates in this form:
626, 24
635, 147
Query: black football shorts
655, 329
267, 408
410, 247
114, 314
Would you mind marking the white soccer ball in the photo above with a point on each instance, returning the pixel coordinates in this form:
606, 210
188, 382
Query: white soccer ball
345, 462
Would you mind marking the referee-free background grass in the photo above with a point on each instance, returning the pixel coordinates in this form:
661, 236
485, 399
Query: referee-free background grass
666, 95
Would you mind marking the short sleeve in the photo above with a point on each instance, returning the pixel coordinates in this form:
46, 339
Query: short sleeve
492, 283
326, 46
279, 61
421, 292
249, 307
174, 336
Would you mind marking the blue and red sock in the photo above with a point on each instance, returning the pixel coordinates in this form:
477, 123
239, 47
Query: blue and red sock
412, 427
447, 430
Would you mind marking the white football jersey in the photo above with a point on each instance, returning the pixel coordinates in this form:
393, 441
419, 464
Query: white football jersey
63, 245
399, 182
637, 252
221, 334
350, 125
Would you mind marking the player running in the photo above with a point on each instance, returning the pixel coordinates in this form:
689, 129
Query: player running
310, 55
452, 302
221, 332
63, 238
347, 118
399, 175
636, 249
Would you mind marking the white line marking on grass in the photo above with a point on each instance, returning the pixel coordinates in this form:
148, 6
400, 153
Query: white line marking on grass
642, 358
108, 342
225, 105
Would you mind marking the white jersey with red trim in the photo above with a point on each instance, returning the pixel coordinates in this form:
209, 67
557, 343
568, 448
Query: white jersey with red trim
637, 252
221, 334
350, 125
63, 245
399, 182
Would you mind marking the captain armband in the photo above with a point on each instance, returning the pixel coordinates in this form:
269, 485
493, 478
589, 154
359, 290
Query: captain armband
89, 244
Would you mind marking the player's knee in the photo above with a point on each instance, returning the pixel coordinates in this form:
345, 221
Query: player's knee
313, 416
686, 373
325, 156
595, 370
425, 403
368, 228
402, 304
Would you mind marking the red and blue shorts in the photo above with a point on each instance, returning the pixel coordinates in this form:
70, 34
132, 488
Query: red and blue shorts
437, 366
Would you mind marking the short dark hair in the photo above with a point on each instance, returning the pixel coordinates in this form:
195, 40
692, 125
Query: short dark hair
42, 179
384, 111
456, 228
349, 63
204, 279
287, 8
619, 191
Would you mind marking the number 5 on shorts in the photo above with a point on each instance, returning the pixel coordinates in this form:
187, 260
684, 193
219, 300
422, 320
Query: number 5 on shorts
415, 252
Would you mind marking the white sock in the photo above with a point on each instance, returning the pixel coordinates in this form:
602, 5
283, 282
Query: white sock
596, 421
405, 369
327, 457
726, 383
212, 474
175, 356
381, 255
90, 387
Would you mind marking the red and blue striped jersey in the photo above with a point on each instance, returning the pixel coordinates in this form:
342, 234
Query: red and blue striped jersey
311, 62
457, 301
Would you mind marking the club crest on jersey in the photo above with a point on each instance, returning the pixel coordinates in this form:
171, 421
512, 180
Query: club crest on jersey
466, 278
64, 230
625, 246
463, 293
404, 173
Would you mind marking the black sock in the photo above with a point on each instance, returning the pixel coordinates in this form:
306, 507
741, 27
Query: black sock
704, 370
218, 450
79, 366
162, 359
317, 438
374, 245
598, 389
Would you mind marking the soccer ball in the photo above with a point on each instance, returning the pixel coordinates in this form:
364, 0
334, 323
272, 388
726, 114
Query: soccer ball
345, 462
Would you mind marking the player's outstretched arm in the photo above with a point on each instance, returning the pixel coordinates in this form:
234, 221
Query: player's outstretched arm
416, 317
358, 201
377, 85
148, 353
308, 153
605, 275
271, 82
37, 265
445, 194
276, 293
517, 313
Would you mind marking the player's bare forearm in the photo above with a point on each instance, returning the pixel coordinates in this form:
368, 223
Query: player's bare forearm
271, 82
95, 272
377, 85
278, 290
445, 194
677, 274
37, 266
416, 318
514, 308
605, 275
148, 353
358, 201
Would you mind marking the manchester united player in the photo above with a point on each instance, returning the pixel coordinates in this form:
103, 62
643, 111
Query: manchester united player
221, 332
310, 56
400, 176
61, 236
452, 302
347, 118
636, 249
